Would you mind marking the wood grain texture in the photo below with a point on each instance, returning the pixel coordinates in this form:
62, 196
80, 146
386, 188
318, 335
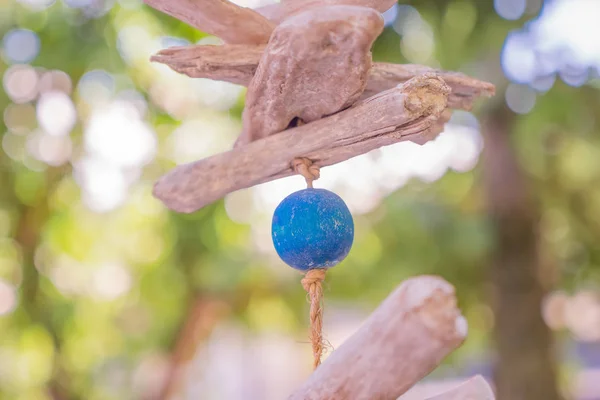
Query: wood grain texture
402, 113
234, 63
222, 18
279, 12
237, 64
315, 64
402, 341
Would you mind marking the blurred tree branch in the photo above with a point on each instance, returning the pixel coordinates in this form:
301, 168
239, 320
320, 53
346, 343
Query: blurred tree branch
203, 315
32, 219
526, 367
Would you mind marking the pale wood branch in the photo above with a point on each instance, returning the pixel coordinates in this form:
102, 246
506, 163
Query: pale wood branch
222, 18
402, 113
315, 64
465, 89
237, 64
475, 388
279, 12
402, 341
234, 63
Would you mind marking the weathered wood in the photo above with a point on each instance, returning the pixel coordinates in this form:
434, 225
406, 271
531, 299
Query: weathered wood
315, 64
279, 12
475, 388
402, 341
222, 18
389, 117
234, 63
465, 89
415, 133
237, 64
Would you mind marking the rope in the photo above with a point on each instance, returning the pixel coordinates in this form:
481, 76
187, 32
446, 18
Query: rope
312, 284
312, 281
307, 169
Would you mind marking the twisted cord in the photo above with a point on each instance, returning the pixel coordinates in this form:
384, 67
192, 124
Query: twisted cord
312, 283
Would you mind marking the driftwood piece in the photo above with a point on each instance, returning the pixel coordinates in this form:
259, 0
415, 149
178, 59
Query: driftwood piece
315, 64
476, 388
279, 12
402, 341
237, 64
398, 114
222, 18
234, 63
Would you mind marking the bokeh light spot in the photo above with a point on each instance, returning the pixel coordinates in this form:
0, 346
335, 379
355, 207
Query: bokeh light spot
20, 118
37, 5
21, 46
518, 59
20, 83
56, 113
50, 149
118, 135
510, 9
8, 298
111, 281
520, 98
104, 185
55, 80
96, 87
389, 17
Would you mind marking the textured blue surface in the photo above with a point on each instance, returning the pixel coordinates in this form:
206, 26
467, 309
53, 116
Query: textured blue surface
312, 228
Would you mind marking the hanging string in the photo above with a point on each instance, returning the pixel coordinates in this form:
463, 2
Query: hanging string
312, 281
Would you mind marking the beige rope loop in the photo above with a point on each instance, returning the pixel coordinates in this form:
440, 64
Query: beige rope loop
307, 169
312, 283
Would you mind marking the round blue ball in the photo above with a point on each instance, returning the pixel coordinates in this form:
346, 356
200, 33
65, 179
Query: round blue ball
312, 228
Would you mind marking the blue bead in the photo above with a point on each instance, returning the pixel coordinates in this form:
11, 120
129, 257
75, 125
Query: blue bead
312, 228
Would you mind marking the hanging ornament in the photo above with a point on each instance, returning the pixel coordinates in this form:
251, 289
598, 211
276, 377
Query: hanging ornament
312, 231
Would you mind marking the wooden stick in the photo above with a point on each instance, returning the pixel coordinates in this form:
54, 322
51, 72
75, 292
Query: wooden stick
237, 64
389, 117
222, 18
475, 388
234, 63
315, 64
402, 341
465, 89
279, 12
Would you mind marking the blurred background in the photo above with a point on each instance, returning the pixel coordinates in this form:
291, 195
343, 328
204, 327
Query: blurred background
105, 294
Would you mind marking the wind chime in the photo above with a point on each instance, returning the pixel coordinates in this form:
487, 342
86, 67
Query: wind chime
314, 99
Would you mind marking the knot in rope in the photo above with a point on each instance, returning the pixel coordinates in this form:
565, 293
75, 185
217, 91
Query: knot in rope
307, 169
313, 277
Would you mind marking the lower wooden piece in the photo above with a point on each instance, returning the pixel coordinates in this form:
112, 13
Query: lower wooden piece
475, 388
404, 339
